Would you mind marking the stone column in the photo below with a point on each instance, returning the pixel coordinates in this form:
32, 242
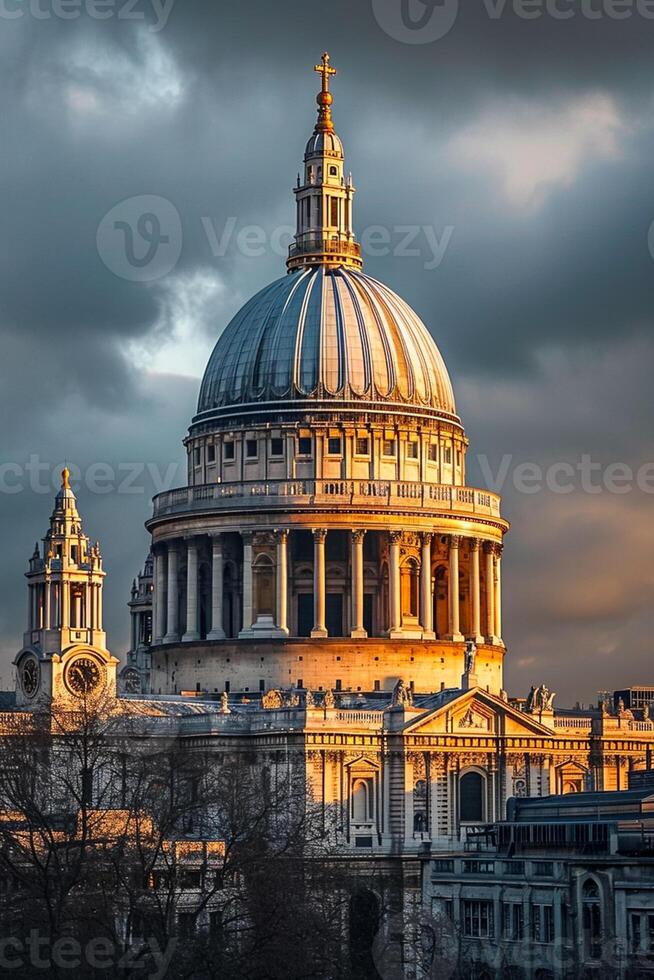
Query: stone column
320, 628
498, 593
490, 592
426, 594
191, 592
358, 630
159, 624
394, 596
172, 603
475, 593
217, 631
282, 581
453, 591
248, 605
47, 613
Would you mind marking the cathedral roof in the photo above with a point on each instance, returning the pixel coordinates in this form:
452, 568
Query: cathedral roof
326, 333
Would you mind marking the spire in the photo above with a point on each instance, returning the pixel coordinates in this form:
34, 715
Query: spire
324, 234
65, 478
325, 98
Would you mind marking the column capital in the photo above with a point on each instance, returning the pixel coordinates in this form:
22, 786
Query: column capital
475, 544
455, 540
215, 535
358, 534
281, 533
489, 547
427, 537
395, 536
247, 536
319, 533
191, 540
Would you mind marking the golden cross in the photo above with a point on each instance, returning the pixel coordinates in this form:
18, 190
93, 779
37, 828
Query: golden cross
326, 70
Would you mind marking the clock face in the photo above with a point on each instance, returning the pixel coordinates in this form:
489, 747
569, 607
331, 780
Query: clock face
29, 677
83, 676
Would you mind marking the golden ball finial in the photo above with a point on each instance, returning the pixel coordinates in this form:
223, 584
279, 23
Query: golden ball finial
65, 478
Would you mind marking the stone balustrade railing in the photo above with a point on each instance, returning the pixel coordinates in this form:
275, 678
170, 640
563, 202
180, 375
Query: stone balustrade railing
282, 493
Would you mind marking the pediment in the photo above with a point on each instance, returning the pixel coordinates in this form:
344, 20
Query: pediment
475, 712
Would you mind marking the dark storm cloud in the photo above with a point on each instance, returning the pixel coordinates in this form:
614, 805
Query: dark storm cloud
541, 303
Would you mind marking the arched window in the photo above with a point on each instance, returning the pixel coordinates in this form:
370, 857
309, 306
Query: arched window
410, 588
264, 588
362, 801
471, 797
592, 920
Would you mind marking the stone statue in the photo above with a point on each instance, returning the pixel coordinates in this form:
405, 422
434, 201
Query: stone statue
402, 696
272, 700
292, 700
470, 657
309, 700
540, 699
224, 704
329, 700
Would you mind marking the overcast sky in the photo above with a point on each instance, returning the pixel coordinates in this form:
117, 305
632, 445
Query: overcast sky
520, 148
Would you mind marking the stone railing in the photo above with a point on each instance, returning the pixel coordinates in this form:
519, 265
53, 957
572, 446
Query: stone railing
394, 495
371, 719
570, 722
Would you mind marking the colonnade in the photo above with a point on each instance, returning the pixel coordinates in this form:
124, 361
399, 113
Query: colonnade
56, 604
483, 624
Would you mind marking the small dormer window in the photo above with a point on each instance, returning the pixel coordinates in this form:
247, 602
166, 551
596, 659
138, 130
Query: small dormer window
304, 446
412, 450
334, 446
276, 447
251, 448
433, 453
228, 451
333, 171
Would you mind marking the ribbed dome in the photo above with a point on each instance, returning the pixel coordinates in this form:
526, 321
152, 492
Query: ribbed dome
326, 333
320, 143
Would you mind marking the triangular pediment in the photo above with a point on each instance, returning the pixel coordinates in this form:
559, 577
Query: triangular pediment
474, 712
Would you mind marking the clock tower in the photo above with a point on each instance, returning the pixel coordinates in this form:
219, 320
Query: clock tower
64, 652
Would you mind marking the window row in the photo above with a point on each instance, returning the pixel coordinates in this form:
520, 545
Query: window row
334, 448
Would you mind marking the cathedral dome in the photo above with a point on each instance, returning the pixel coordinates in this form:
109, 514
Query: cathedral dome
326, 333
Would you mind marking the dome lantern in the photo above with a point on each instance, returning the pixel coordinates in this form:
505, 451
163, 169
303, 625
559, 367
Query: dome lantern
324, 234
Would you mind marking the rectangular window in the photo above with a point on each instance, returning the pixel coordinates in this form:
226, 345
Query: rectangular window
378, 685
196, 456
228, 451
334, 446
363, 447
514, 867
478, 920
388, 447
304, 446
543, 869
448, 455
276, 447
334, 214
542, 923
251, 448
433, 453
478, 867
211, 453
443, 866
262, 684
513, 921
338, 685
412, 450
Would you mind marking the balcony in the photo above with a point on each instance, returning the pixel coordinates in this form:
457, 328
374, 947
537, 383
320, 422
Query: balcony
428, 498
